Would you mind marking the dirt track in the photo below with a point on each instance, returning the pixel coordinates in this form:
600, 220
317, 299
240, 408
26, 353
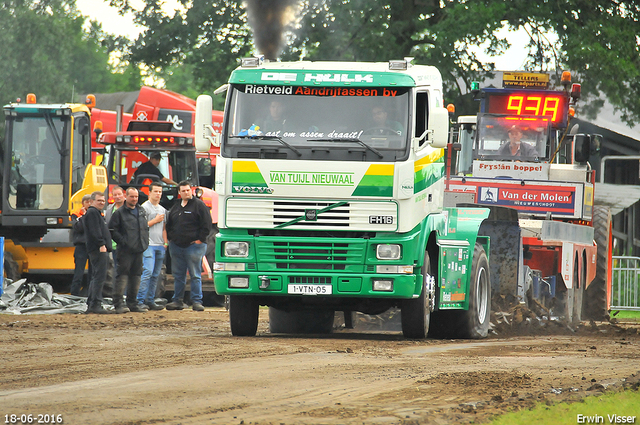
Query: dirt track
185, 368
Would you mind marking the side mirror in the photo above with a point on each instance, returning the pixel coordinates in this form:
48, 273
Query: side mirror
581, 148
204, 133
439, 127
204, 166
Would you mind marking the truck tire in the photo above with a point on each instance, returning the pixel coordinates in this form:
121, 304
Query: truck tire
161, 283
107, 288
596, 306
300, 322
243, 315
11, 269
474, 323
416, 312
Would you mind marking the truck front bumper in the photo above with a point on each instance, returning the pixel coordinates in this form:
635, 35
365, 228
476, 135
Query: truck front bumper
316, 284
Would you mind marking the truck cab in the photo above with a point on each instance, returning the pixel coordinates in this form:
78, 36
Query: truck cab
331, 179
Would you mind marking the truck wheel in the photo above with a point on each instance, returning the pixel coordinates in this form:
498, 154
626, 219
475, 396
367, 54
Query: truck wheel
161, 284
107, 289
243, 315
11, 269
416, 313
474, 323
300, 322
596, 306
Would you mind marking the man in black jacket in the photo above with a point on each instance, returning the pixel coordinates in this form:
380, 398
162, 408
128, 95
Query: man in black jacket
130, 230
98, 240
188, 226
80, 254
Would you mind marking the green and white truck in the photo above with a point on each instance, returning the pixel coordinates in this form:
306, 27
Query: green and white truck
330, 182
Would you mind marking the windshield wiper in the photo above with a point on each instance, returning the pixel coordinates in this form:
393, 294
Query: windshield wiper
279, 139
54, 132
358, 141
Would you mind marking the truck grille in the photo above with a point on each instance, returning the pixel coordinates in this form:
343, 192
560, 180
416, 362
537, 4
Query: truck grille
309, 280
260, 213
309, 254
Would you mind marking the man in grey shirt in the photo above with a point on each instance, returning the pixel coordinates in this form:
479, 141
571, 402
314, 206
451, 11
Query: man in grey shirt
153, 257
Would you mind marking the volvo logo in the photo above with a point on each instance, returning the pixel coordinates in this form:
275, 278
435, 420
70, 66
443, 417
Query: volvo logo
311, 215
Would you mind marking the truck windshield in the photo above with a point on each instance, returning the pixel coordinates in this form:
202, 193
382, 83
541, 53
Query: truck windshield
325, 123
504, 137
36, 143
176, 165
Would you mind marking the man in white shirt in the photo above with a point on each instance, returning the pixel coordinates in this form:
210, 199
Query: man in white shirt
153, 257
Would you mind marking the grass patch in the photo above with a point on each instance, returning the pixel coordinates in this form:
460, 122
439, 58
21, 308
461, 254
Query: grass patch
623, 314
623, 404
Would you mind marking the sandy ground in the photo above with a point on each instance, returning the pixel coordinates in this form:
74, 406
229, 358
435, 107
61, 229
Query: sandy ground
184, 367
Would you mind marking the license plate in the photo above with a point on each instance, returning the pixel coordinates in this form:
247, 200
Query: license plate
310, 289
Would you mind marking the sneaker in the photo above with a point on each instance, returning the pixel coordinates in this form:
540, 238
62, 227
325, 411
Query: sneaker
154, 306
137, 309
122, 309
175, 305
197, 307
143, 306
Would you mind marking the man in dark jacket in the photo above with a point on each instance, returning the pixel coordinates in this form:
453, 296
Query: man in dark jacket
130, 230
80, 255
98, 240
188, 226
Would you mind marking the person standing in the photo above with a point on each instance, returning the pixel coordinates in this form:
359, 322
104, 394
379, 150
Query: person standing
98, 240
188, 225
130, 230
80, 255
153, 257
118, 201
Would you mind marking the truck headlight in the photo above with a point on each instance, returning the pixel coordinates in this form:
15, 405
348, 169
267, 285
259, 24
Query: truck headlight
236, 249
388, 252
385, 285
238, 282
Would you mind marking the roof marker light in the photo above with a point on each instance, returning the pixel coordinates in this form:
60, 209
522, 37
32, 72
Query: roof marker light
397, 65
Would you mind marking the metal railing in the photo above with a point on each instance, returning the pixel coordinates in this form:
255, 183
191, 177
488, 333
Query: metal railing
626, 283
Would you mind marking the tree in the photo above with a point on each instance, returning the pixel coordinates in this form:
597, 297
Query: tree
598, 40
206, 42
46, 51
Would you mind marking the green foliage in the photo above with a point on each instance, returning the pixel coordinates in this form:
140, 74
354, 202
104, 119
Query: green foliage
46, 50
596, 40
205, 42
621, 404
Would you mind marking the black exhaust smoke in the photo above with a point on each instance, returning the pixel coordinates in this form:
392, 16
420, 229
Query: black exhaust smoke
269, 19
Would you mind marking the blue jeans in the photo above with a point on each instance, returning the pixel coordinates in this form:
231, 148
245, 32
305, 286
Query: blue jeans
152, 259
183, 259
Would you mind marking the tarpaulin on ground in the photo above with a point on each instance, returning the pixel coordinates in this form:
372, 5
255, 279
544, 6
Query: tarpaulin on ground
22, 297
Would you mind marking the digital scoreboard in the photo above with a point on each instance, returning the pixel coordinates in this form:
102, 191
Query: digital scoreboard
527, 104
